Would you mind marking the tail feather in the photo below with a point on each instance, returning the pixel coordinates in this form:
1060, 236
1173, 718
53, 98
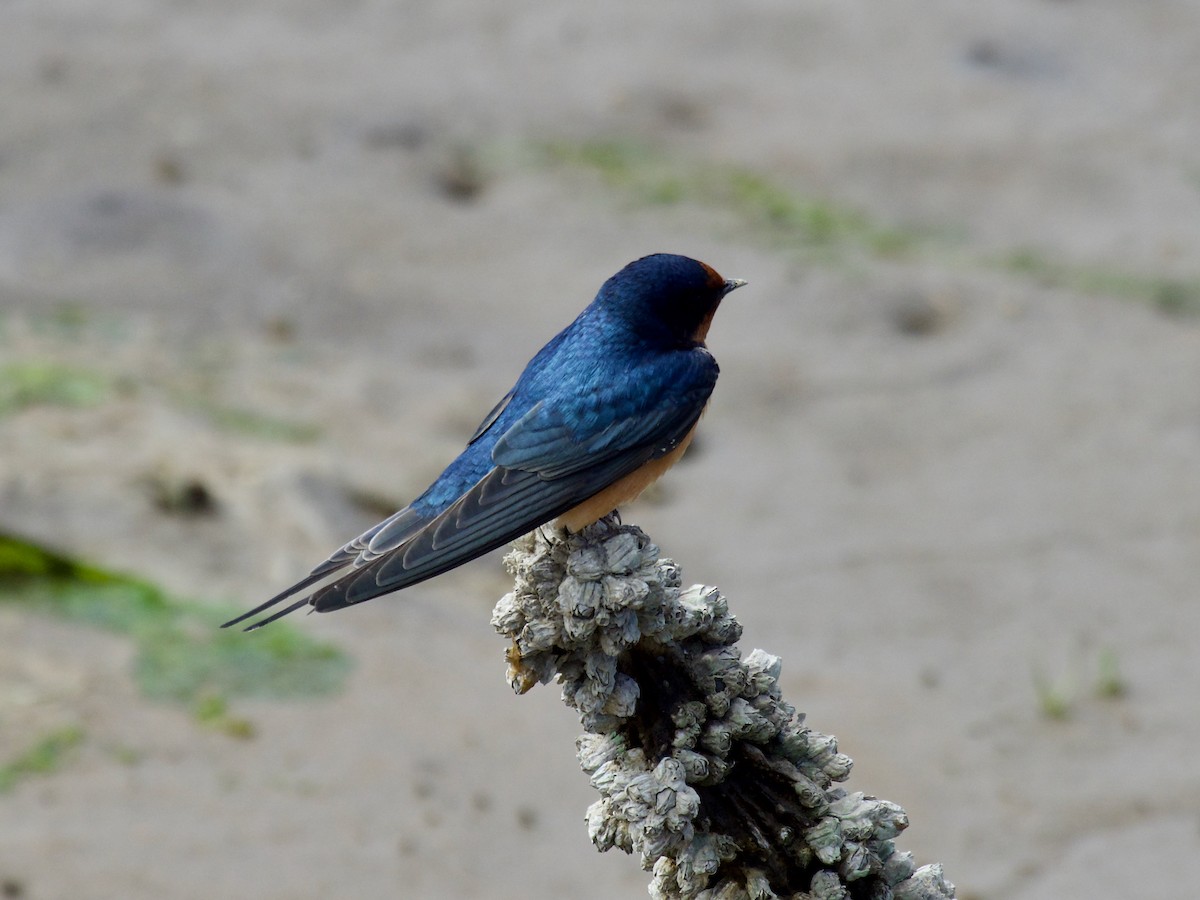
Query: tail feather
355, 553
303, 601
317, 575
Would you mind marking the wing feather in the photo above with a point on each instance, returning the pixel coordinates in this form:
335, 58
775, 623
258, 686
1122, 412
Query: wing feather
548, 461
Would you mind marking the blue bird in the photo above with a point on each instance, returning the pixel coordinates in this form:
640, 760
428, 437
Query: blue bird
607, 406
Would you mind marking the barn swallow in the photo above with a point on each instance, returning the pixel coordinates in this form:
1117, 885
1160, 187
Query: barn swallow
600, 412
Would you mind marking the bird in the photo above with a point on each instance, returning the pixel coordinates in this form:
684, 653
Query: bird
597, 415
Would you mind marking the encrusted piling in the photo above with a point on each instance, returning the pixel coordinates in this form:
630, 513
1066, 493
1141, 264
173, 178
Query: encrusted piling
703, 769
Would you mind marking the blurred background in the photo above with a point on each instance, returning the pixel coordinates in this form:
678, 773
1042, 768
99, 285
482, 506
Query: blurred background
265, 265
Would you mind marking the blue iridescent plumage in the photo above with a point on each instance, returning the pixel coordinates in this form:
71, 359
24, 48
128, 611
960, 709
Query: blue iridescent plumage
617, 390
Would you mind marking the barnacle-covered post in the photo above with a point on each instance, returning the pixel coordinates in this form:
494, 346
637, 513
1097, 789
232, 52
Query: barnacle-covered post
702, 768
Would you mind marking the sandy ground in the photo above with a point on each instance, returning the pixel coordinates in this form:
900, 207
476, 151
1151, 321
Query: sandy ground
927, 480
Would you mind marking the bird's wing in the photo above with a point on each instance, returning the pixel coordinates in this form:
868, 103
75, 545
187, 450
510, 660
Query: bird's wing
372, 543
352, 553
560, 453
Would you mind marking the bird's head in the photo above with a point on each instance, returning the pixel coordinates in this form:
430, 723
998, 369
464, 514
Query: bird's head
666, 297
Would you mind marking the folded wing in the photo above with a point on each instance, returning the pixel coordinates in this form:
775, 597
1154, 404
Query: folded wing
562, 451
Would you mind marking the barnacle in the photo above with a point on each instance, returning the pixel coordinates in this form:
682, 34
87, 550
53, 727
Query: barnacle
703, 769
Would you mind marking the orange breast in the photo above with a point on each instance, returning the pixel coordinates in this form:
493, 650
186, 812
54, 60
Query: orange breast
622, 491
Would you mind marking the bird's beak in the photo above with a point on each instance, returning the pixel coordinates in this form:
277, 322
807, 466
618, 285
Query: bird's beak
732, 284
